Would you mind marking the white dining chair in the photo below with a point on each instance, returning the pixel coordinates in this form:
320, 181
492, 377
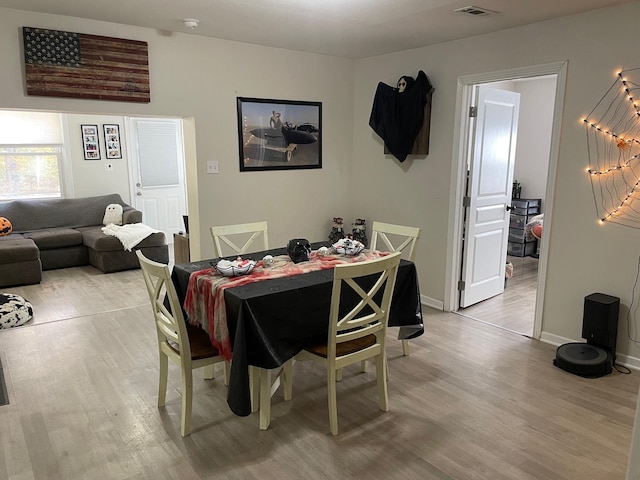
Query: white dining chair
396, 238
265, 383
186, 345
360, 333
239, 238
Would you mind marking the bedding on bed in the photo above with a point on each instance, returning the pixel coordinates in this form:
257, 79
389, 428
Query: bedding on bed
533, 229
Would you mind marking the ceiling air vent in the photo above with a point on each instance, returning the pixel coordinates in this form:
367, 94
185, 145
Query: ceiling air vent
476, 11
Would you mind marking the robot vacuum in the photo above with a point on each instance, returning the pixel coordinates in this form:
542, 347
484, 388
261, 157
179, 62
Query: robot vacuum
597, 357
583, 359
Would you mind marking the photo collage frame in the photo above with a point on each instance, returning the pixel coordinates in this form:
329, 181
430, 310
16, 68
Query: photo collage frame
91, 141
112, 141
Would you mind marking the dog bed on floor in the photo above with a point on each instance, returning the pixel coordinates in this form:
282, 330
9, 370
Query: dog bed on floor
14, 310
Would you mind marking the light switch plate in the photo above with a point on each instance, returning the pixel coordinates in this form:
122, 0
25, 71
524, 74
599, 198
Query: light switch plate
212, 166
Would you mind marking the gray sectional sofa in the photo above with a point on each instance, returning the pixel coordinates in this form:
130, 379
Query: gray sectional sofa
67, 232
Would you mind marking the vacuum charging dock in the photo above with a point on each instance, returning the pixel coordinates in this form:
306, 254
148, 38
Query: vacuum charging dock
596, 357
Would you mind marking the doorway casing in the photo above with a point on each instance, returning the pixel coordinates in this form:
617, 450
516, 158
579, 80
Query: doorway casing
458, 176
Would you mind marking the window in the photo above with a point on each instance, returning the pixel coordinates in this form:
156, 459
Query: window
29, 171
31, 155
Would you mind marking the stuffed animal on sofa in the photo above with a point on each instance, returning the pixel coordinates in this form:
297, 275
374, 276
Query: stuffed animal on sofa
113, 214
5, 226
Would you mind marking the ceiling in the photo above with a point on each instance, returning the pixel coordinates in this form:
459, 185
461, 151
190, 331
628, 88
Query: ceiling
346, 28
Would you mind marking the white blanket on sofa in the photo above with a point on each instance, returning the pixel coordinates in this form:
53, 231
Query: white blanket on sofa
130, 234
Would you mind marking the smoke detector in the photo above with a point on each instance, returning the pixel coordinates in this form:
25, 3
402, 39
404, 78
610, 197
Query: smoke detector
475, 11
191, 23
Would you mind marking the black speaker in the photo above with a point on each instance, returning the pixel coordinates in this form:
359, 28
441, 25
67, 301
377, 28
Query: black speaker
600, 321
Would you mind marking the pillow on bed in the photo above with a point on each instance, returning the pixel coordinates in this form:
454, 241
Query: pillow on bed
113, 214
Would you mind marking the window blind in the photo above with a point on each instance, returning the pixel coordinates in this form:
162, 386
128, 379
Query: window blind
157, 150
30, 128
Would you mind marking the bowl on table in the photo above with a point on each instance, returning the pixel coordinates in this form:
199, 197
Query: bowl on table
234, 268
347, 246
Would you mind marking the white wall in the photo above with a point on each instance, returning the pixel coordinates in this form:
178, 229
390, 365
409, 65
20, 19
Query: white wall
534, 135
584, 256
198, 77
89, 176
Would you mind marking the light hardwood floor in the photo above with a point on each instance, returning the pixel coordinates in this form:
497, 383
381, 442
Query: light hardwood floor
514, 309
471, 402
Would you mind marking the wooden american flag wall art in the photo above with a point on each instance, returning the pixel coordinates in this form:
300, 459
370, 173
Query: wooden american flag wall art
75, 65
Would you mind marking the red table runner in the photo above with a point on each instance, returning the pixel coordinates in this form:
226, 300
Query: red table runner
204, 301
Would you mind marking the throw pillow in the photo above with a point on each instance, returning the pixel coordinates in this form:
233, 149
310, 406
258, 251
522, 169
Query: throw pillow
5, 226
113, 214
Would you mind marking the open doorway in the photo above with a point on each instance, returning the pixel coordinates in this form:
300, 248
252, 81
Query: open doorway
514, 308
523, 296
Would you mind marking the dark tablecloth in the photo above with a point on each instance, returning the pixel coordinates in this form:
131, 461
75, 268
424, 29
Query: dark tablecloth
271, 321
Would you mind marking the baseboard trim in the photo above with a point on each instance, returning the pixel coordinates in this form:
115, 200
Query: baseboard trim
432, 302
621, 359
555, 340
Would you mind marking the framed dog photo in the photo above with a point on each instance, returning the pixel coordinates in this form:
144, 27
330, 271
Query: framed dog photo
279, 134
112, 141
90, 142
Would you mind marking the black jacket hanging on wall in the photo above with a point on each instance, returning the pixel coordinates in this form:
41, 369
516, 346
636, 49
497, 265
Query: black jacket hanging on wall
397, 116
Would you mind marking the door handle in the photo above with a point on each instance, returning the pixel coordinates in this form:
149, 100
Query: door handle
509, 207
139, 194
138, 184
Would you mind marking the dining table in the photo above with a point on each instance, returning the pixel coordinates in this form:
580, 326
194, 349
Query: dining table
269, 320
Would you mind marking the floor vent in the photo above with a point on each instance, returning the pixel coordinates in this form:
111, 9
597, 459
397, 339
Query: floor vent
475, 11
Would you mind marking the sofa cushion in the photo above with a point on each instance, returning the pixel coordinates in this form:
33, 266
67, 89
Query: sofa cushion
94, 238
21, 273
131, 215
18, 250
55, 238
11, 236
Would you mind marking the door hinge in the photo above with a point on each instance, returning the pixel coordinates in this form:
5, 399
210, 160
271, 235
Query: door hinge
473, 111
461, 285
466, 201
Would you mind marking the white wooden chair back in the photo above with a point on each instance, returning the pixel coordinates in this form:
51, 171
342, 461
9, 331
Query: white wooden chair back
359, 334
170, 324
246, 232
370, 315
395, 238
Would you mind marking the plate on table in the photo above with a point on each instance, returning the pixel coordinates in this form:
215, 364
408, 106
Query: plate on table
346, 246
234, 268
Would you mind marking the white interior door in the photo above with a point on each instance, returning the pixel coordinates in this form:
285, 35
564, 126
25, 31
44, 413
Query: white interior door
157, 172
489, 195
